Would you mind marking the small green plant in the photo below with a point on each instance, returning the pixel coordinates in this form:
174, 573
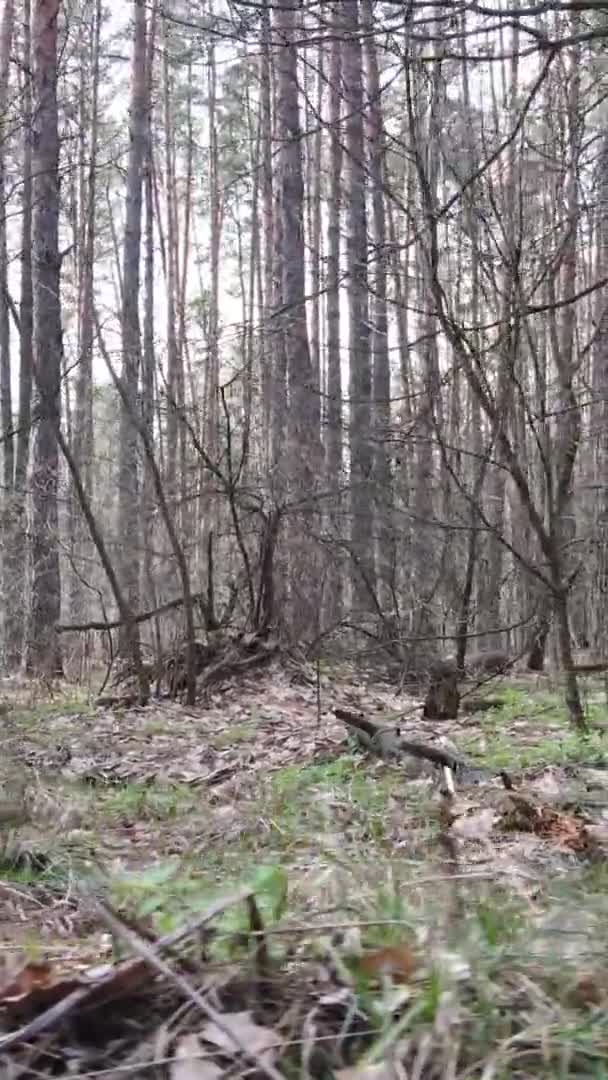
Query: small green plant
148, 801
499, 920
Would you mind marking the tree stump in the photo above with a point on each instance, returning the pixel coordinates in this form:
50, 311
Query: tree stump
443, 696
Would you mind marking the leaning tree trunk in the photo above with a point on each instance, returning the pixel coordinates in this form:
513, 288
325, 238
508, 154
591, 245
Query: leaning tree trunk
43, 655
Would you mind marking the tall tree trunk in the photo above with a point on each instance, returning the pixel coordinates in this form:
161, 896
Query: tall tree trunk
507, 359
360, 369
334, 438
385, 545
304, 446
17, 558
212, 376
315, 237
280, 320
268, 331
129, 523
600, 391
83, 418
6, 404
186, 505
43, 654
171, 204
425, 124
147, 583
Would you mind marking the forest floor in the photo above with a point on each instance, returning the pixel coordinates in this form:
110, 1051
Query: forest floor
380, 927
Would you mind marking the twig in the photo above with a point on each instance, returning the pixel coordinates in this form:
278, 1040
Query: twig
149, 955
63, 1008
115, 624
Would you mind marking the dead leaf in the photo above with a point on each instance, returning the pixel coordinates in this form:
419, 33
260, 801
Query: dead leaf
31, 977
190, 1063
398, 961
588, 991
261, 1041
566, 829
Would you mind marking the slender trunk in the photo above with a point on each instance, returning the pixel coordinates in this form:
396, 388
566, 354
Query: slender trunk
174, 403
508, 357
83, 421
11, 601
360, 370
315, 225
254, 269
385, 544
334, 438
212, 380
425, 127
6, 404
268, 335
147, 584
128, 475
18, 553
186, 516
43, 655
280, 320
304, 447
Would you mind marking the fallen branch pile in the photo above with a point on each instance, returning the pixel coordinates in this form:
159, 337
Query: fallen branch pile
219, 659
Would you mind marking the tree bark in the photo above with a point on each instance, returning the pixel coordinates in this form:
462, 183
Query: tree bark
17, 556
360, 368
43, 654
304, 447
83, 417
385, 545
129, 520
334, 457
